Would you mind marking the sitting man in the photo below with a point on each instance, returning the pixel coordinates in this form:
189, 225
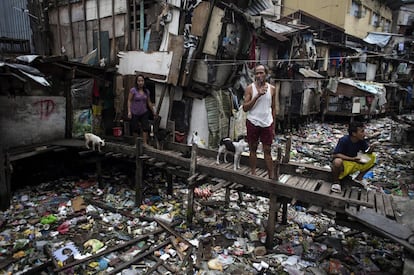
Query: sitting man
346, 160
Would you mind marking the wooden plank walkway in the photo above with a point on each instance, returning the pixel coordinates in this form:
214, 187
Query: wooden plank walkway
310, 185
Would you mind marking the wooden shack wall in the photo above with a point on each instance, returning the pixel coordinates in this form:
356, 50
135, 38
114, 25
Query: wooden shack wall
73, 26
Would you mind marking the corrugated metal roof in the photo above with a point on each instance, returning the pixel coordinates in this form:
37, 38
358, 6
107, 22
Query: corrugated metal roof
15, 22
280, 31
258, 6
369, 87
308, 73
279, 28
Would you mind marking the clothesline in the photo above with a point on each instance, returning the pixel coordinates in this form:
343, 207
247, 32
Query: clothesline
227, 62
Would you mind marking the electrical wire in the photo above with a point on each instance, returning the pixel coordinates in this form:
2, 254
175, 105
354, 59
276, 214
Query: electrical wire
228, 62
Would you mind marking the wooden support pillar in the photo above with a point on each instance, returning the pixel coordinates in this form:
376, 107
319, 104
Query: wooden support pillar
170, 183
271, 222
284, 210
72, 37
59, 33
99, 172
277, 164
85, 25
227, 197
240, 196
98, 12
113, 50
191, 183
286, 158
139, 169
141, 24
164, 90
69, 110
134, 16
5, 187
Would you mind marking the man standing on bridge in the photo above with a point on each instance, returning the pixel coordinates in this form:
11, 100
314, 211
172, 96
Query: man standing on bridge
260, 103
346, 159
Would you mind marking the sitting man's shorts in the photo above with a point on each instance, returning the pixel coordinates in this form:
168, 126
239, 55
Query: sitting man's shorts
351, 167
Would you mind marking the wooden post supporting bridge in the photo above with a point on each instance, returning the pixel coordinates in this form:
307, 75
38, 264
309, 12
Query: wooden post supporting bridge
295, 182
299, 182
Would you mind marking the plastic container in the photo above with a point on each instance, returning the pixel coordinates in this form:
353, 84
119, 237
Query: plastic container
117, 131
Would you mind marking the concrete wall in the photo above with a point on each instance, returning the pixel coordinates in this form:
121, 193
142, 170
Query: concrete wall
341, 14
26, 120
332, 11
360, 27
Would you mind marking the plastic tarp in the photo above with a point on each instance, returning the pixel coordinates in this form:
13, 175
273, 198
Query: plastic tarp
219, 109
81, 91
378, 39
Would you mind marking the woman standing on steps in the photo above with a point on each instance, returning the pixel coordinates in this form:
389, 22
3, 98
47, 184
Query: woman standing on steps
139, 108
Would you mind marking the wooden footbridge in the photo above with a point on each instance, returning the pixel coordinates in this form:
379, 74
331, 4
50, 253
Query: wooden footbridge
294, 182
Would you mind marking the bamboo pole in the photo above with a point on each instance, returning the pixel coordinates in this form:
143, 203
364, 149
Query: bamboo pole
85, 25
99, 29
71, 29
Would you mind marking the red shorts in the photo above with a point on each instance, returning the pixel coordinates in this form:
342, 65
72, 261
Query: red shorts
254, 133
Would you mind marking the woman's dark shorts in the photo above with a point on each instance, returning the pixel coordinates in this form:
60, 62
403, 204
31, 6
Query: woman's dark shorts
141, 121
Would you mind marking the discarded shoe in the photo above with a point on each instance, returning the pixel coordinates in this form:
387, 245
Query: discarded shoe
336, 188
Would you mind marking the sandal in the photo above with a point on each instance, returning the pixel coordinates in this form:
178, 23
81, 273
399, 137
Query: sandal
336, 188
364, 183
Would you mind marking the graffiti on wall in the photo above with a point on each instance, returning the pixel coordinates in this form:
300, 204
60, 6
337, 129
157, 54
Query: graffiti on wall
44, 108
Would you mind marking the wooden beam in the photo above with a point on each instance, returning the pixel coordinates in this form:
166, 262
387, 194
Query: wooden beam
110, 249
166, 86
134, 16
99, 172
85, 25
5, 188
139, 168
271, 221
193, 166
69, 110
384, 226
71, 28
113, 52
58, 29
139, 257
286, 158
99, 29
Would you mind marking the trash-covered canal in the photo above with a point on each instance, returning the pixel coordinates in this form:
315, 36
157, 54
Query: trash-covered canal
62, 221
